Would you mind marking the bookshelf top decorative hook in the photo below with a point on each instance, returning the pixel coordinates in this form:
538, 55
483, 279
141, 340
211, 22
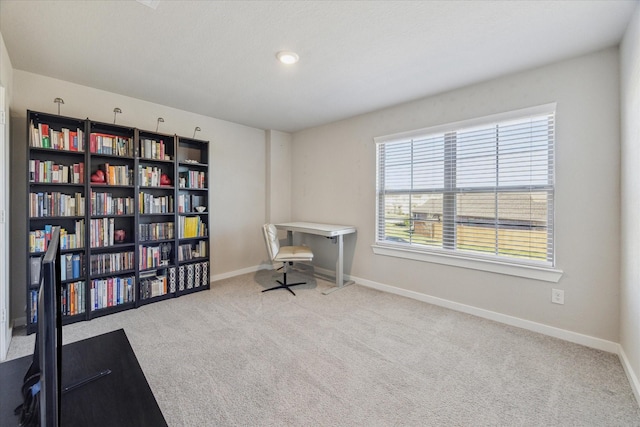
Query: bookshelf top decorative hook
116, 111
160, 120
197, 129
59, 101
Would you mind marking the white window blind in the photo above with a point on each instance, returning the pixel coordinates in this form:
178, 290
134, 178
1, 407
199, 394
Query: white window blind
478, 189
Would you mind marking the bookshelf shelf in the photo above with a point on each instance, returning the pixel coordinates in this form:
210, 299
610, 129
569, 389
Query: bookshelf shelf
117, 192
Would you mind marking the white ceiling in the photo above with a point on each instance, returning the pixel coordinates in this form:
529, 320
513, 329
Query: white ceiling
218, 58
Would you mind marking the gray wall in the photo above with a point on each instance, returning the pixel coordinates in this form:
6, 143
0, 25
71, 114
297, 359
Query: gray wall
6, 81
630, 252
334, 182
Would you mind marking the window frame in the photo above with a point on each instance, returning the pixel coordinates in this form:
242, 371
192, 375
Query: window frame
546, 271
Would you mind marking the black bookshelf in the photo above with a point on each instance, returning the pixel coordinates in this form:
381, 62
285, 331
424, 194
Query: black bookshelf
112, 283
127, 200
156, 165
193, 215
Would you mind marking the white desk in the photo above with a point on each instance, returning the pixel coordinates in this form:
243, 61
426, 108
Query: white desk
332, 231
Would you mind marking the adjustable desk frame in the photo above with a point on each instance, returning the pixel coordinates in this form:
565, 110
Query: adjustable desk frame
331, 231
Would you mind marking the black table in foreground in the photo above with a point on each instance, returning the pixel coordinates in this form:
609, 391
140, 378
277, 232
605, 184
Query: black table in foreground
121, 398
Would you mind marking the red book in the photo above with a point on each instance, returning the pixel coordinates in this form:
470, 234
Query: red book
73, 141
110, 293
44, 133
93, 144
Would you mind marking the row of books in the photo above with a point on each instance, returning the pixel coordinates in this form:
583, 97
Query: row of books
154, 284
46, 171
38, 239
191, 226
150, 204
192, 251
111, 291
106, 263
33, 302
152, 149
156, 231
46, 204
72, 298
188, 202
75, 240
116, 174
107, 204
42, 136
193, 179
101, 232
72, 266
153, 256
149, 176
100, 143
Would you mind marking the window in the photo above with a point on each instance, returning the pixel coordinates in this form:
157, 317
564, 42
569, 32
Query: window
479, 189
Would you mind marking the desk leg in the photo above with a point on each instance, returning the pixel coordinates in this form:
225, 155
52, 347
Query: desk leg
290, 237
340, 263
340, 283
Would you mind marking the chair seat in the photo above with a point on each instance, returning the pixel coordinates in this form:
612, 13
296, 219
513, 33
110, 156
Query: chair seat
284, 254
294, 253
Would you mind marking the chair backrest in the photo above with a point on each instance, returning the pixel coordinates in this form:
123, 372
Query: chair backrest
271, 238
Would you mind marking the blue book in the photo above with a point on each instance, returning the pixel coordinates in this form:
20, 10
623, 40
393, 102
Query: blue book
76, 266
47, 232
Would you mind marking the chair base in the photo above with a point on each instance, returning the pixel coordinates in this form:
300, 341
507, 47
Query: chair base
285, 285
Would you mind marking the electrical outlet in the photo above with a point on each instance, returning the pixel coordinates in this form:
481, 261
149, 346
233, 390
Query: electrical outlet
557, 296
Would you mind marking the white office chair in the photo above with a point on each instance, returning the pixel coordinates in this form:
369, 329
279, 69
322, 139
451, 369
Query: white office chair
284, 254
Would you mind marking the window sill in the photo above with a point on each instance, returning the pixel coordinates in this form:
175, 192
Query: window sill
530, 272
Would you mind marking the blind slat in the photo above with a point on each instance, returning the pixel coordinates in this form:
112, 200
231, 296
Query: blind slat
486, 190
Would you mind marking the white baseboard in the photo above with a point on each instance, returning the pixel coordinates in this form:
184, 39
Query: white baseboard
3, 351
586, 340
633, 378
234, 273
20, 321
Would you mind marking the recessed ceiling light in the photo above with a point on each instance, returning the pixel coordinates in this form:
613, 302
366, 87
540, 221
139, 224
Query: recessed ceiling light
287, 57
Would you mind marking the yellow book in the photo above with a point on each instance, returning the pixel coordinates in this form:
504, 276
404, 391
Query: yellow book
190, 226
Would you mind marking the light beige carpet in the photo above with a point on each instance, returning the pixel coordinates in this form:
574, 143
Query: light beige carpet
234, 356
